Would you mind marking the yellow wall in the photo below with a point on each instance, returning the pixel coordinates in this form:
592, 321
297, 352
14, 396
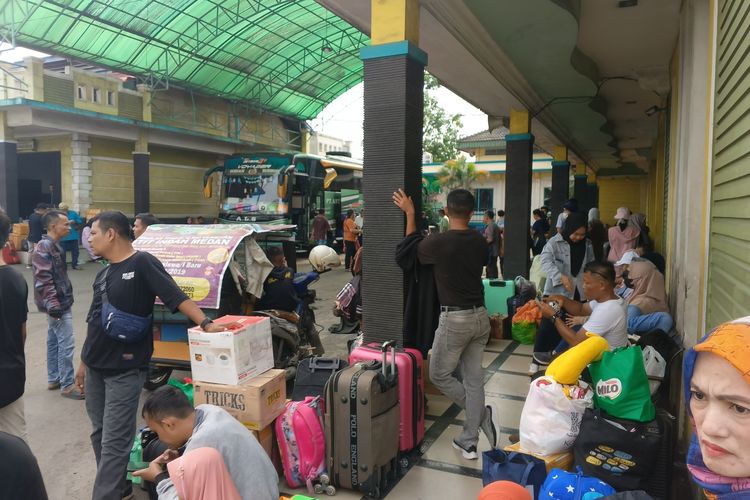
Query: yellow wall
175, 183
112, 175
615, 192
103, 84
61, 144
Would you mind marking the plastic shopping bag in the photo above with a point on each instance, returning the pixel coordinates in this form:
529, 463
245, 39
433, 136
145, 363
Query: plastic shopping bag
621, 385
655, 366
550, 420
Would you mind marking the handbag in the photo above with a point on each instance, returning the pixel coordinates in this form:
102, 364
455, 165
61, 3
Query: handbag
621, 385
619, 452
519, 468
120, 325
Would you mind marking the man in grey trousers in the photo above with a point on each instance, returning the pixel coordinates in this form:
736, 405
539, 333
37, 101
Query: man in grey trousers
112, 371
457, 257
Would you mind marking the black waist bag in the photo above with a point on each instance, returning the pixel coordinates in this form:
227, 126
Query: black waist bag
622, 453
120, 325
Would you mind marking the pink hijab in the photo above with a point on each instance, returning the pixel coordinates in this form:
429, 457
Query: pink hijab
201, 474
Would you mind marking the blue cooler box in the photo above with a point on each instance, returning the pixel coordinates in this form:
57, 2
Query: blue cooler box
496, 295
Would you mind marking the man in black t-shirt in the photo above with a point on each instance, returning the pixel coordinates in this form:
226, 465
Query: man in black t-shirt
112, 372
19, 471
457, 257
13, 312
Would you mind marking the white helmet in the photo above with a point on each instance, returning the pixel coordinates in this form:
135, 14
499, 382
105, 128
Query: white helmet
323, 258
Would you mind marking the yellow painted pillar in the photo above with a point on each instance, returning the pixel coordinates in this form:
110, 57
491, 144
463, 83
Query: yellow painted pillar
394, 21
146, 95
141, 174
34, 79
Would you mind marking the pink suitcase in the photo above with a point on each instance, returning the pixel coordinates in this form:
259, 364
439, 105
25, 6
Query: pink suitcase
410, 390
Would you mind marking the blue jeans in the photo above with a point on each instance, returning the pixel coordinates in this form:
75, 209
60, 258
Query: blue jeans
642, 323
60, 347
322, 242
72, 247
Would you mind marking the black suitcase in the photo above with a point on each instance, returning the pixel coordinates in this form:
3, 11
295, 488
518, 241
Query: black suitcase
312, 375
513, 303
362, 425
660, 482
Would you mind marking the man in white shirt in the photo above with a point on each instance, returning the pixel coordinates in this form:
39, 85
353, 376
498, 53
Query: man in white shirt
607, 311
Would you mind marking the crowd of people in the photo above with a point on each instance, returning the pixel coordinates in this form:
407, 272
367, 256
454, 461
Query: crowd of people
598, 280
114, 365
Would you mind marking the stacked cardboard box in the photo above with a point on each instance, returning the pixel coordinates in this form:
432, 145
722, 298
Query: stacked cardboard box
19, 234
233, 369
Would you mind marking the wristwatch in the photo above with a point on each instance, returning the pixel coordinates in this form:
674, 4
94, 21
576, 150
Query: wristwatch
206, 322
554, 317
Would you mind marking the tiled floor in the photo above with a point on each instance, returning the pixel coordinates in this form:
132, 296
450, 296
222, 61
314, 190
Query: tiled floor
442, 472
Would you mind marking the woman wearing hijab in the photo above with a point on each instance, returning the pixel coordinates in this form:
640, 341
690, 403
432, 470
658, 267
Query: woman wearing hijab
638, 221
201, 474
623, 236
597, 234
647, 304
563, 259
716, 374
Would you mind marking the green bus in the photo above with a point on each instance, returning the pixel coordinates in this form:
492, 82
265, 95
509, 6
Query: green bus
285, 188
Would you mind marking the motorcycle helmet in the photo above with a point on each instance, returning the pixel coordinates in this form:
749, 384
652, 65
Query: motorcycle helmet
323, 258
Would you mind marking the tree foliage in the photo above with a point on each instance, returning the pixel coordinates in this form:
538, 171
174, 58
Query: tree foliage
441, 130
457, 174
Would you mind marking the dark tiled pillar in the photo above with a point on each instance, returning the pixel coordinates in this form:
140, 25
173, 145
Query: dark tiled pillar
141, 196
393, 112
9, 179
560, 188
517, 200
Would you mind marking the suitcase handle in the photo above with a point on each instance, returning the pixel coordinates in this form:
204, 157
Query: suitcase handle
498, 282
391, 344
325, 364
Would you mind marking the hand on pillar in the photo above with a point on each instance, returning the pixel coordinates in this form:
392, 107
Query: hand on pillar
406, 204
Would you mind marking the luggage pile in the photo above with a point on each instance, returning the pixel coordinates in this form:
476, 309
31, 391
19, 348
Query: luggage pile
605, 436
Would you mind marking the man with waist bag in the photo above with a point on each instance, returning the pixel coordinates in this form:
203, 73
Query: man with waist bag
119, 344
457, 257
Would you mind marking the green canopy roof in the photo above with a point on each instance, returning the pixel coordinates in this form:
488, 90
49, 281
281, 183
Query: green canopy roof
291, 57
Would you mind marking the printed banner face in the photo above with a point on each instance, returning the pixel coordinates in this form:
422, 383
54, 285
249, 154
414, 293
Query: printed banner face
196, 256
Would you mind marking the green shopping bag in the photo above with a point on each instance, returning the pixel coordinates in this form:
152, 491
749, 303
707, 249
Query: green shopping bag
621, 385
186, 387
523, 332
136, 460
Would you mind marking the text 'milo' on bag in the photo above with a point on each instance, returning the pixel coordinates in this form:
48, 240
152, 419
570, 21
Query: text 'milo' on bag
520, 468
621, 385
550, 419
620, 452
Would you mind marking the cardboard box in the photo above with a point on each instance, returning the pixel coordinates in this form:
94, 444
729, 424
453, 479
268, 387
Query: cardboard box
256, 403
232, 356
265, 438
22, 229
17, 240
562, 460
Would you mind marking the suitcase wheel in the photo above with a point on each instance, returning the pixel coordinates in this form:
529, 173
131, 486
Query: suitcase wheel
325, 480
330, 490
318, 488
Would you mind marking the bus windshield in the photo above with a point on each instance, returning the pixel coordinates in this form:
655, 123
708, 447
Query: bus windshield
252, 188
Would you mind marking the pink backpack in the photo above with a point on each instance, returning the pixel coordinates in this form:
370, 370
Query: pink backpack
299, 430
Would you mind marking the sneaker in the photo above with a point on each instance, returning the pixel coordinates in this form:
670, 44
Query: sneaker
72, 393
514, 438
77, 268
53, 386
543, 358
469, 453
489, 427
